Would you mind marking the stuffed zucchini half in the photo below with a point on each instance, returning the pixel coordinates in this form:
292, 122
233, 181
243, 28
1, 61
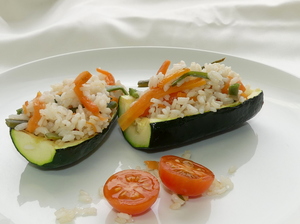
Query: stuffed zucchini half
186, 104
62, 126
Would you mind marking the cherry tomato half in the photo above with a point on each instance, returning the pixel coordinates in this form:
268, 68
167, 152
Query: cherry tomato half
131, 191
183, 176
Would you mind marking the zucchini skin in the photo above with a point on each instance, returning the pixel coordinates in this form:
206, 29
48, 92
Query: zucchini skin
182, 131
65, 157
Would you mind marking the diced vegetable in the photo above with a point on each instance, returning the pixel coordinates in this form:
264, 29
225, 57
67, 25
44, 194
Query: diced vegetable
133, 93
234, 89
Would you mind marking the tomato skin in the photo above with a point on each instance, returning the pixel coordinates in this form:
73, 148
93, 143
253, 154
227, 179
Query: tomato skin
131, 191
183, 176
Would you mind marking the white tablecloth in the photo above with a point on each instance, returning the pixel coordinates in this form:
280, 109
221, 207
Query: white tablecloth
267, 31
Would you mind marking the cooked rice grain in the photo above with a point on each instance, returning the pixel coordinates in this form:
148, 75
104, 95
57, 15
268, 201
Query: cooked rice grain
218, 187
64, 114
208, 97
123, 218
65, 215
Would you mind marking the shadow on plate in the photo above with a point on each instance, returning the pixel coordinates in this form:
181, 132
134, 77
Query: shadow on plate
220, 152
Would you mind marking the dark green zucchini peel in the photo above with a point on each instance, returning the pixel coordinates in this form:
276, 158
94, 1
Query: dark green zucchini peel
45, 153
157, 134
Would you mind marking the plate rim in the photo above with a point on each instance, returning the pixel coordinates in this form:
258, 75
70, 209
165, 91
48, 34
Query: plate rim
138, 47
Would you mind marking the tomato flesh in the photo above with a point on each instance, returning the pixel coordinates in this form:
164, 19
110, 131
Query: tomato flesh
183, 176
131, 191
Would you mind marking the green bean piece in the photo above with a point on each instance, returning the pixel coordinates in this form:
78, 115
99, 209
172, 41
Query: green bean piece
19, 111
133, 93
12, 123
190, 73
217, 61
143, 83
112, 104
116, 87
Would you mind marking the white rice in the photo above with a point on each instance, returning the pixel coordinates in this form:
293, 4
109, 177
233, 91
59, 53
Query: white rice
177, 202
187, 154
84, 197
100, 192
65, 215
208, 97
64, 114
218, 187
232, 169
123, 218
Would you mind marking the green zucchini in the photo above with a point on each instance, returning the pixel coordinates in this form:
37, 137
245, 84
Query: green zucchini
48, 149
46, 154
155, 134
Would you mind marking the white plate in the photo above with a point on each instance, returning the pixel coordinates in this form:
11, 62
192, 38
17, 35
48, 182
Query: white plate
265, 150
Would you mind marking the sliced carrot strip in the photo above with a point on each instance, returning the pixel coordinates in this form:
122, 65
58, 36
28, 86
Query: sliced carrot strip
225, 88
24, 107
37, 106
175, 95
244, 95
181, 94
139, 107
82, 78
172, 77
146, 112
161, 105
164, 67
114, 99
109, 78
85, 101
242, 87
152, 165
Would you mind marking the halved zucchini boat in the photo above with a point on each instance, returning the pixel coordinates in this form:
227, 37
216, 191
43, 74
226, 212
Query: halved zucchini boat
157, 134
144, 117
47, 154
60, 127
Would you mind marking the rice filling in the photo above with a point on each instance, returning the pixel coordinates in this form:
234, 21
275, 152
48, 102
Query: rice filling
198, 100
63, 113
